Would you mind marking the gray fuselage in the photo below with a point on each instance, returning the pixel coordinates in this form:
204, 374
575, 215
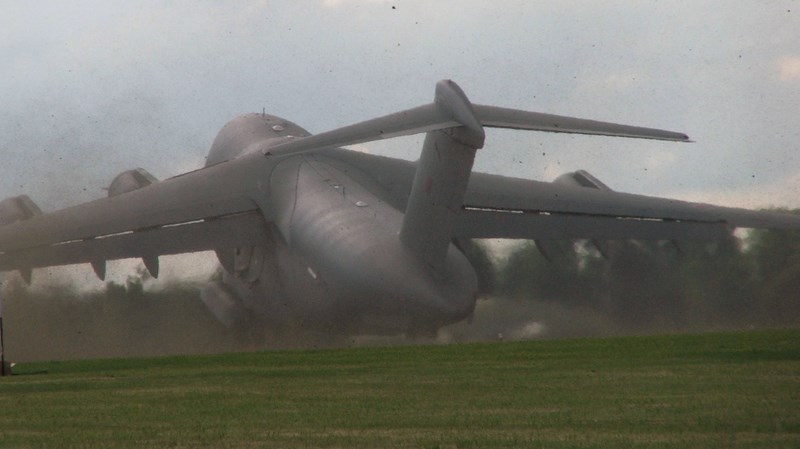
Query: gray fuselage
336, 263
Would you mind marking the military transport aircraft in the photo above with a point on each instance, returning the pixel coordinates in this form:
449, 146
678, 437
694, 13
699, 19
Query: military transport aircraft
325, 238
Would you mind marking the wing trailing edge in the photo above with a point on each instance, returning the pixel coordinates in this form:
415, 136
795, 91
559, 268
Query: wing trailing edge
244, 229
501, 207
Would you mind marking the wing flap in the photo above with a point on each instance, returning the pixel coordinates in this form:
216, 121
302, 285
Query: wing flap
501, 207
474, 223
238, 230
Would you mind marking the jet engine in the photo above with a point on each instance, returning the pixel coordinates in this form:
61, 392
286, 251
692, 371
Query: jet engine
552, 249
130, 180
17, 208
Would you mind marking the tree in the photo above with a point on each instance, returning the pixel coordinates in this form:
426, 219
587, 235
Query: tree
568, 277
776, 258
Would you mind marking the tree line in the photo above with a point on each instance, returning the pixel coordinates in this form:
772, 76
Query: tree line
744, 280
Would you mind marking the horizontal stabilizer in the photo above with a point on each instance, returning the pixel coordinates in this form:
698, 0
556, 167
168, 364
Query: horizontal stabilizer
495, 117
411, 121
451, 109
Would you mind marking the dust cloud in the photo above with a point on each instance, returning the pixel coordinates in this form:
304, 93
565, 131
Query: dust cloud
56, 322
59, 319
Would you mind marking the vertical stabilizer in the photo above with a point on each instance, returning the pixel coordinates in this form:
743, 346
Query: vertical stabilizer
441, 179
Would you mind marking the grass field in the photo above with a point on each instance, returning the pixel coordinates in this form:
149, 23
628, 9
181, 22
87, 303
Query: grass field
719, 390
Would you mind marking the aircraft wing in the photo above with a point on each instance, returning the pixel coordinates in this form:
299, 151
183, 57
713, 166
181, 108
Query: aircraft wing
501, 207
206, 209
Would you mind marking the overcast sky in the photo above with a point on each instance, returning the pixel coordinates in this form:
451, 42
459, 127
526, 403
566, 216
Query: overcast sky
93, 88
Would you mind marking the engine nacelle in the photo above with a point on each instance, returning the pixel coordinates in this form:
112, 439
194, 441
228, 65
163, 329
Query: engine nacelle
130, 180
17, 208
581, 178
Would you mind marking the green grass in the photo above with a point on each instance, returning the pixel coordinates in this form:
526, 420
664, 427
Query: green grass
723, 390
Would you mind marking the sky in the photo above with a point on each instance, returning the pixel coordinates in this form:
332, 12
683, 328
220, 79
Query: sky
91, 88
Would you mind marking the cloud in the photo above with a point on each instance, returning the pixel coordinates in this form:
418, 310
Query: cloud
789, 69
